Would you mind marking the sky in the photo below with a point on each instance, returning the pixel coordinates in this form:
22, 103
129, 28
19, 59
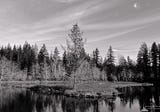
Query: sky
123, 24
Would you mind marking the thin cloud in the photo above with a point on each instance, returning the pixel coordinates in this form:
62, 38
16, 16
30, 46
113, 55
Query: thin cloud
65, 1
124, 50
44, 20
115, 35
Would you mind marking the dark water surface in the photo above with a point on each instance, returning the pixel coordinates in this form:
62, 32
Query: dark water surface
133, 99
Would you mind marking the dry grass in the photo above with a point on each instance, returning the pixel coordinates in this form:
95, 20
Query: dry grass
103, 87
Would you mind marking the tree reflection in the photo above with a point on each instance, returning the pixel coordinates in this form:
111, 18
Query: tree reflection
17, 100
147, 96
28, 101
11, 102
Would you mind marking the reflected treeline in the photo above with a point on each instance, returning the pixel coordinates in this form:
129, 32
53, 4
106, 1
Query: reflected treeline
15, 100
18, 100
27, 101
81, 105
146, 96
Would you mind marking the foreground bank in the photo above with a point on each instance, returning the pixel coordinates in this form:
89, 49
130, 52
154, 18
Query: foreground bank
89, 89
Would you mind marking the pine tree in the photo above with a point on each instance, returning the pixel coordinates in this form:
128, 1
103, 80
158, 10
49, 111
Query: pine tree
96, 58
14, 54
132, 67
56, 57
154, 59
64, 59
43, 58
19, 50
159, 60
123, 71
35, 50
110, 57
9, 52
77, 40
43, 54
56, 60
35, 66
109, 65
143, 64
75, 47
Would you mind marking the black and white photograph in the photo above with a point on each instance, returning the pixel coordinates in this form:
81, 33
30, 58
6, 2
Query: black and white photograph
79, 55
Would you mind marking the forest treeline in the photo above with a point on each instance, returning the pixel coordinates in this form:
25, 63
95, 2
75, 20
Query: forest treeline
27, 62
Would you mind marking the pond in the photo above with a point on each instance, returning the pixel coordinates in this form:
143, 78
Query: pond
133, 99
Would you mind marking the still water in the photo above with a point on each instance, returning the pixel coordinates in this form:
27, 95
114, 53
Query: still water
133, 99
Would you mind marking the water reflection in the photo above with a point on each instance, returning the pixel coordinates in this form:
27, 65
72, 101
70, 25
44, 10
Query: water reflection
133, 99
145, 96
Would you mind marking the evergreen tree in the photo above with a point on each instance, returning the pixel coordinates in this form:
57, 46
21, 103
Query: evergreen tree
9, 52
77, 41
96, 58
56, 57
154, 59
35, 50
43, 59
130, 62
27, 58
110, 57
132, 66
56, 60
122, 69
159, 60
143, 65
109, 65
14, 54
19, 51
2, 51
43, 55
64, 59
75, 47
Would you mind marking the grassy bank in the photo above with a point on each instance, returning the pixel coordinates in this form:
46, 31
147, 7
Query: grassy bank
27, 84
92, 87
105, 88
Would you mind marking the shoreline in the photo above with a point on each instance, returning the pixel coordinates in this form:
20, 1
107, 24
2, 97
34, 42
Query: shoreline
106, 88
87, 88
